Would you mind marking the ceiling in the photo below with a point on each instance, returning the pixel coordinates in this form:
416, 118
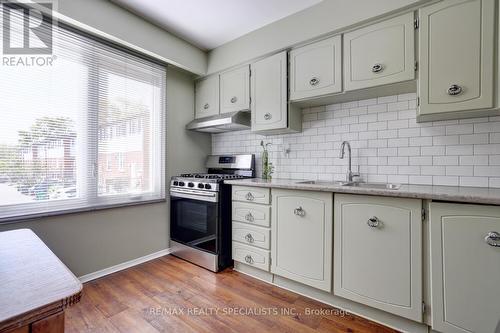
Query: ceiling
211, 23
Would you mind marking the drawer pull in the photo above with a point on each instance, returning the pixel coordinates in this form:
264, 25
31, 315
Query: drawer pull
377, 68
373, 222
454, 90
248, 259
249, 238
249, 197
249, 217
314, 81
234, 99
268, 116
299, 212
492, 239
206, 106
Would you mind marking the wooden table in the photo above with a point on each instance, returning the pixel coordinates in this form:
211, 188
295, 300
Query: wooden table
35, 286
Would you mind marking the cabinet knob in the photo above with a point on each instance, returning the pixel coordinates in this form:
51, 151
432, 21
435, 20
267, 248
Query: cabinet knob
314, 81
234, 99
249, 238
249, 217
377, 68
248, 259
267, 116
206, 106
454, 90
492, 239
299, 212
373, 222
249, 196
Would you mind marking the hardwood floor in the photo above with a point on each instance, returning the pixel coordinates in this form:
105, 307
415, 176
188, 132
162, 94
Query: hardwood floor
172, 295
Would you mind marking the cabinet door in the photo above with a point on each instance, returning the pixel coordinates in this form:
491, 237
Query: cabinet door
207, 97
381, 53
456, 56
235, 90
316, 69
269, 93
465, 269
378, 253
301, 237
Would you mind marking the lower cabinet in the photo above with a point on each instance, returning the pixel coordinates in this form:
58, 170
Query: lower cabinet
301, 237
465, 268
378, 253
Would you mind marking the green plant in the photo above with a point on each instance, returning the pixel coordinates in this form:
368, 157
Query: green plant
267, 167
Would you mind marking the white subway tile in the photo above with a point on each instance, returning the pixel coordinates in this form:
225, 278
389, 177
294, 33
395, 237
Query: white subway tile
435, 170
445, 180
452, 170
474, 181
487, 127
396, 124
445, 160
474, 139
459, 129
474, 160
460, 150
491, 171
490, 149
377, 108
420, 180
420, 160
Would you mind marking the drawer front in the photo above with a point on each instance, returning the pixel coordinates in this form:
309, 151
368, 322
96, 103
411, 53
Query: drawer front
377, 253
251, 256
251, 235
251, 194
315, 69
252, 214
379, 54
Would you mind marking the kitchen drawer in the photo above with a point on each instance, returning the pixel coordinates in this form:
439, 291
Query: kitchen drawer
251, 194
381, 53
253, 214
255, 236
251, 256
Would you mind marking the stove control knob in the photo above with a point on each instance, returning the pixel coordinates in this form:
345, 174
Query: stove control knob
200, 185
181, 183
190, 184
208, 186
176, 183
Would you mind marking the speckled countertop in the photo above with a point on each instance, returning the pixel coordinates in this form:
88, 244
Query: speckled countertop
473, 195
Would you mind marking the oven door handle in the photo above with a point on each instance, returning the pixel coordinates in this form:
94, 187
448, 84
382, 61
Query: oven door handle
201, 196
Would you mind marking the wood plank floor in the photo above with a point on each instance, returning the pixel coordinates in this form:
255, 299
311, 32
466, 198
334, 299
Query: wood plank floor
172, 295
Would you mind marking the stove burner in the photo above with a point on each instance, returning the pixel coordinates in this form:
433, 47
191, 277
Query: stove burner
210, 176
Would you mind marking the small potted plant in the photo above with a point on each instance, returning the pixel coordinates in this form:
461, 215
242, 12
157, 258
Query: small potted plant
267, 167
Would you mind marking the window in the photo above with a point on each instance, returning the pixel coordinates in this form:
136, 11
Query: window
84, 133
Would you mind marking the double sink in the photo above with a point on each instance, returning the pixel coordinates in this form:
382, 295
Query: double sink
384, 186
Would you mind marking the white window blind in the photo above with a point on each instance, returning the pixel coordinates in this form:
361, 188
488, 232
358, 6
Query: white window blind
84, 133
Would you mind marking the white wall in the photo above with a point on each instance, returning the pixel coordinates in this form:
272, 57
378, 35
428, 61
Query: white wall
324, 18
388, 145
116, 21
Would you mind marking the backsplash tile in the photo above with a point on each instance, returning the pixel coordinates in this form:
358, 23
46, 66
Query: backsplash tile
388, 145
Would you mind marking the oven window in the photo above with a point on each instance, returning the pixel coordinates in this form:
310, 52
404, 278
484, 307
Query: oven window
194, 223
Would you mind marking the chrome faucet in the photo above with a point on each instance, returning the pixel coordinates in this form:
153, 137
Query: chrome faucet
350, 175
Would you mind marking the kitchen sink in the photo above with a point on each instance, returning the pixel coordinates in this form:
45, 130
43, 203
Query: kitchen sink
386, 186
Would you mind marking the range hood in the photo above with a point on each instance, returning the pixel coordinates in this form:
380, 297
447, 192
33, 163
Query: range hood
233, 121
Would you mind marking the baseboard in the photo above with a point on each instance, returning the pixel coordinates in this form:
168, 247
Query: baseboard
123, 265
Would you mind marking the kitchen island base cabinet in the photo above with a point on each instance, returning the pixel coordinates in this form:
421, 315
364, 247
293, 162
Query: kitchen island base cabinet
378, 253
301, 237
465, 268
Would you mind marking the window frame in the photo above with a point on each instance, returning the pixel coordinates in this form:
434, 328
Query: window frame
93, 201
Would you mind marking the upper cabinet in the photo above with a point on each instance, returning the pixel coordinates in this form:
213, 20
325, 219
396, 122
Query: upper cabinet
456, 59
316, 69
235, 90
380, 54
271, 112
207, 97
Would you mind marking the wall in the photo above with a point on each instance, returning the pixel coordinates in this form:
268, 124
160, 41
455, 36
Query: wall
388, 145
324, 18
114, 20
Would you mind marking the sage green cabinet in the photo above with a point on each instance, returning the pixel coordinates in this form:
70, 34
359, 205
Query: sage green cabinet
378, 253
465, 268
235, 90
316, 69
379, 54
271, 113
207, 97
456, 59
301, 237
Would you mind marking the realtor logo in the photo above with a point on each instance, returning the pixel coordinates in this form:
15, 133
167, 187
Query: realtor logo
26, 30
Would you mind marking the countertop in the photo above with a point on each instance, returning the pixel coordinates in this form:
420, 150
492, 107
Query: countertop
473, 195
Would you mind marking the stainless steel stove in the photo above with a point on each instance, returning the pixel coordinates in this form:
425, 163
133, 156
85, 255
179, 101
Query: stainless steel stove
200, 210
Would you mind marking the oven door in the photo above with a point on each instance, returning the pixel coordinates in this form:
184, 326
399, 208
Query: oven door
194, 217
